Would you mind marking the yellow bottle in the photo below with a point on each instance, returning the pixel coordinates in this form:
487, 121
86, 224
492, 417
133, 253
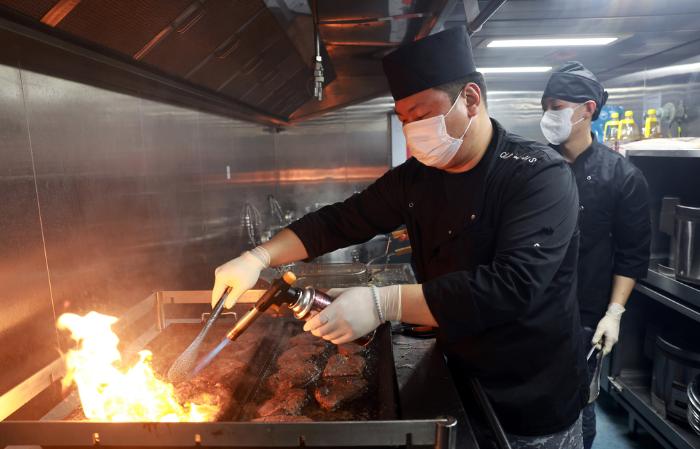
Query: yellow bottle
611, 129
628, 131
652, 127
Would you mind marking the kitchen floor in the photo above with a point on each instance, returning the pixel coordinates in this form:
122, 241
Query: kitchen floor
613, 431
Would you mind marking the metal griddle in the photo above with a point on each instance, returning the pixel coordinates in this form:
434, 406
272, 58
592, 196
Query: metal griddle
148, 322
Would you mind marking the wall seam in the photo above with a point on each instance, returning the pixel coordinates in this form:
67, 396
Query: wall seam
38, 202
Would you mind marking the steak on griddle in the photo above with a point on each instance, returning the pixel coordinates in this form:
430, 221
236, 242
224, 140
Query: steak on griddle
344, 365
284, 402
300, 353
306, 338
298, 373
350, 349
334, 392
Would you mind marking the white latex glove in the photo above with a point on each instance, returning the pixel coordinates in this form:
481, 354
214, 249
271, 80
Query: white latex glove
240, 274
355, 313
608, 330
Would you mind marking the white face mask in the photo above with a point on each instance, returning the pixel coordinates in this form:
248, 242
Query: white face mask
429, 141
556, 125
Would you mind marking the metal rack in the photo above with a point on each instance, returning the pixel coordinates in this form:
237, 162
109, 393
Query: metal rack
664, 153
631, 387
635, 398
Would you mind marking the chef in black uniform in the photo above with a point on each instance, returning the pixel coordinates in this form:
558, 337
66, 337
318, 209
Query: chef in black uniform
492, 219
614, 210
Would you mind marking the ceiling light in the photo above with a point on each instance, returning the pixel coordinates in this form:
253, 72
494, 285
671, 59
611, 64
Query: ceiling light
552, 42
534, 69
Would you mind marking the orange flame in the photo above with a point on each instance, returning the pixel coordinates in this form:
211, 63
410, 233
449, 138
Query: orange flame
111, 393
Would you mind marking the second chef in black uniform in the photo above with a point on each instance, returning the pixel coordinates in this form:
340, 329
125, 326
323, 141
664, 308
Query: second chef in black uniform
492, 219
614, 211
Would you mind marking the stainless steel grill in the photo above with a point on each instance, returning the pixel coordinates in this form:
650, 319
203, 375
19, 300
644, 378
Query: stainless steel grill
147, 323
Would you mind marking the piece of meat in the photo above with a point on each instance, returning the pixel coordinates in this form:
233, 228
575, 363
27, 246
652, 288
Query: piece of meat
344, 365
306, 338
298, 353
221, 368
350, 349
335, 391
282, 418
298, 373
285, 402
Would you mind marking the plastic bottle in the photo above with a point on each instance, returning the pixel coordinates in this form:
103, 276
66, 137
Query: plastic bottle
652, 127
629, 132
611, 129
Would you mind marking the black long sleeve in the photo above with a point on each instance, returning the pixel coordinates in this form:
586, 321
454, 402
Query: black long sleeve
538, 221
631, 224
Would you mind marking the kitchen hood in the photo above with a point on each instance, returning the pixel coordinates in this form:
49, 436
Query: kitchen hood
250, 59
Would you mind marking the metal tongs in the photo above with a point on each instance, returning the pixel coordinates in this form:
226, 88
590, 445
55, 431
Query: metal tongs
182, 367
594, 387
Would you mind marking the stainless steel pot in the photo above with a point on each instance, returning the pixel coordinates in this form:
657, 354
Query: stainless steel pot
676, 364
687, 244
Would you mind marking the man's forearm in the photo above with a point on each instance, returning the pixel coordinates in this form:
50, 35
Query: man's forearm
621, 289
414, 308
285, 247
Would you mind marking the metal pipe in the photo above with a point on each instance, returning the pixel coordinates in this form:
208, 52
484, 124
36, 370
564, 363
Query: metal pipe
446, 434
490, 414
489, 10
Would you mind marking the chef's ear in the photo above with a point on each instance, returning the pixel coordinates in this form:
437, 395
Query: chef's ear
472, 95
591, 107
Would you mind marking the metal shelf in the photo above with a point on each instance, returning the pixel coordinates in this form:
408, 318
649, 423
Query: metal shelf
637, 400
663, 153
681, 297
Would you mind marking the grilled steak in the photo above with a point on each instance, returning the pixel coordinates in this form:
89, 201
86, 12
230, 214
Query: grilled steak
298, 353
297, 373
282, 418
344, 365
306, 338
336, 391
285, 402
350, 349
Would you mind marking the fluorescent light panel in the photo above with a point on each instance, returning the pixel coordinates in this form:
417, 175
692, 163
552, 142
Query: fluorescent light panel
552, 42
533, 69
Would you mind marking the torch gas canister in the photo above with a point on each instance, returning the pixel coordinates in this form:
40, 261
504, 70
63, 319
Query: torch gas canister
306, 302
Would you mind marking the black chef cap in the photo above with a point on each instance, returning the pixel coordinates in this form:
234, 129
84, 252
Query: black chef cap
429, 62
575, 83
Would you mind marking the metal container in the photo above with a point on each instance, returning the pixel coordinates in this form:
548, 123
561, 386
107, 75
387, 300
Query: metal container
694, 404
687, 244
309, 300
676, 364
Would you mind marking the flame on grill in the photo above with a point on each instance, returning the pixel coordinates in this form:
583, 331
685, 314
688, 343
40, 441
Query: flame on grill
111, 392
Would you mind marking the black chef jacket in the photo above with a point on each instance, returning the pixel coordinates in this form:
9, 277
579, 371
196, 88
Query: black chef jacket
497, 260
614, 223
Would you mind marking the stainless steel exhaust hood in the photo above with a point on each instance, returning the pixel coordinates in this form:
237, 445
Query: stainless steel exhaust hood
251, 59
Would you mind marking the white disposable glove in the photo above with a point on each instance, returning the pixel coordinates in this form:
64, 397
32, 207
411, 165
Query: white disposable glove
355, 312
608, 330
240, 274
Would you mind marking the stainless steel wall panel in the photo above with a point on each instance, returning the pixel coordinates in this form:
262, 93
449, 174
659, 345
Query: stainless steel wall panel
26, 327
139, 196
518, 111
85, 141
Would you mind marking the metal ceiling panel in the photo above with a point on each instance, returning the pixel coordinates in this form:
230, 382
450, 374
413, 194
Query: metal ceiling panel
123, 26
257, 54
209, 28
221, 69
35, 9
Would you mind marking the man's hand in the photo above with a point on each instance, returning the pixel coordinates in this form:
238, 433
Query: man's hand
355, 312
240, 274
608, 329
